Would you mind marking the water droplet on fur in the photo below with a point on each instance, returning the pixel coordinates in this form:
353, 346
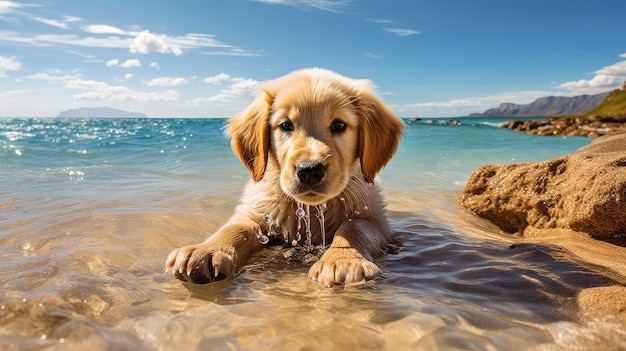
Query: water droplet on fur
294, 242
320, 217
263, 239
300, 212
365, 208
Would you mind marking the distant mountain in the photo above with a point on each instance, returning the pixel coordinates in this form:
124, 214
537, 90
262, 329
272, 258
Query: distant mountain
550, 106
607, 118
100, 112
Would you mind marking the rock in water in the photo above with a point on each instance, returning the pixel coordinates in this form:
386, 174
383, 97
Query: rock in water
584, 191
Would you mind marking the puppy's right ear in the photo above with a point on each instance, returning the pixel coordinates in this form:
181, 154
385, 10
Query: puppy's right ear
250, 133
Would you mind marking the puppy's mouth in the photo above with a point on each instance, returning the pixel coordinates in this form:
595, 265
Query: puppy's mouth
309, 196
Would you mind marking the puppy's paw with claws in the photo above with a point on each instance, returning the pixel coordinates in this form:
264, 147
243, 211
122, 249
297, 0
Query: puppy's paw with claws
342, 266
201, 264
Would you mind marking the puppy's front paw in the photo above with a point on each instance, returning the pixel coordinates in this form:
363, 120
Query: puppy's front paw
201, 264
342, 265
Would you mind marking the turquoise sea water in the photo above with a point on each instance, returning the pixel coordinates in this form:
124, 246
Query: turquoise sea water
90, 208
96, 154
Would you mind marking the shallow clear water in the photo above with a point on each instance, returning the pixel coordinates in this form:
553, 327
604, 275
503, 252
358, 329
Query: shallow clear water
90, 209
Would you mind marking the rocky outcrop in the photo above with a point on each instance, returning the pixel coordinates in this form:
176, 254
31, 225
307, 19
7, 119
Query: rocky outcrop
584, 191
589, 126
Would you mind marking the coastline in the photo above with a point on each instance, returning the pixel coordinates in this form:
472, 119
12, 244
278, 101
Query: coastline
592, 126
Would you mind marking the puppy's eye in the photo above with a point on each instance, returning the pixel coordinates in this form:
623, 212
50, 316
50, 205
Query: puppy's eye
338, 126
286, 126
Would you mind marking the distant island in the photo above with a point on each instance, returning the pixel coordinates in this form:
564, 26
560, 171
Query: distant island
99, 112
550, 106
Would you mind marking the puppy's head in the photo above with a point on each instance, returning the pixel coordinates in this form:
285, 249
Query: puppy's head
318, 126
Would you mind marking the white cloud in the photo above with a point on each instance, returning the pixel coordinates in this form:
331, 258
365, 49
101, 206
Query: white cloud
101, 91
95, 90
239, 87
67, 39
91, 58
166, 81
51, 22
69, 19
117, 96
326, 5
9, 6
401, 32
601, 82
374, 56
131, 63
155, 65
142, 42
53, 76
605, 79
104, 29
616, 69
85, 84
128, 76
231, 52
217, 79
9, 64
145, 42
57, 23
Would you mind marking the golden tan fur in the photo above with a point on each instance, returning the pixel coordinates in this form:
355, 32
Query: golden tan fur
312, 139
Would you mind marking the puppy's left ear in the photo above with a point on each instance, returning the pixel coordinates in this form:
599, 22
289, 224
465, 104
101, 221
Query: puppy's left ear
380, 131
250, 135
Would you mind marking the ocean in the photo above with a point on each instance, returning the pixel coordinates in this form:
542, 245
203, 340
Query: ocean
90, 209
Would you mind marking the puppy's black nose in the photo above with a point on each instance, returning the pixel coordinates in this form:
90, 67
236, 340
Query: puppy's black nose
310, 173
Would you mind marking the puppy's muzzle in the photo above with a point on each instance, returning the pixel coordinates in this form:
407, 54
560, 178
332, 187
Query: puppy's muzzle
310, 173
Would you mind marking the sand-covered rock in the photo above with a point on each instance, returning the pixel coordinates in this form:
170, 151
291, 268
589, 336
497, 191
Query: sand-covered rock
584, 191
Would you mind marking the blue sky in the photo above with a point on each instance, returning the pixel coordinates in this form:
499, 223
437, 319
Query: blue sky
204, 58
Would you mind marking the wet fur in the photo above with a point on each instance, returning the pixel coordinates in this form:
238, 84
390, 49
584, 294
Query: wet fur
355, 224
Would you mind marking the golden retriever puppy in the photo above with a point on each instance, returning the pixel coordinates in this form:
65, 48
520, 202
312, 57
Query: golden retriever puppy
313, 141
